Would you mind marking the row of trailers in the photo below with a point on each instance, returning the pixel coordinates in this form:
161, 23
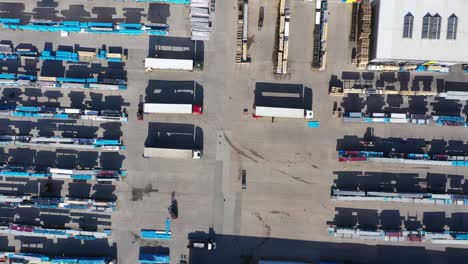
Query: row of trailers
397, 197
47, 202
448, 237
60, 204
423, 157
66, 27
24, 80
404, 118
445, 237
21, 53
62, 143
341, 91
39, 112
28, 258
70, 203
320, 34
442, 159
57, 202
283, 38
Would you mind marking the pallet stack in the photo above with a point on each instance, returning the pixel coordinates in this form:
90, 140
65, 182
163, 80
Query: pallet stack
320, 35
240, 28
362, 55
354, 19
200, 17
283, 37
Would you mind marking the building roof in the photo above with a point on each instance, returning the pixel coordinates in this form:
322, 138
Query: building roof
389, 41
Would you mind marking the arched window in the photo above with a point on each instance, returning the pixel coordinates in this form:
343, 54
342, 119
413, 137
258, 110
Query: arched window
408, 26
452, 27
425, 26
436, 21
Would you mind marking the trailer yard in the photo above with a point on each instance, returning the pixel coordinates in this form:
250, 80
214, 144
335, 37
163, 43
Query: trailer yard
199, 132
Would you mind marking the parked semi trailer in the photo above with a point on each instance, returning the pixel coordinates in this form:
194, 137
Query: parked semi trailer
52, 233
168, 64
70, 203
29, 258
170, 153
63, 143
66, 27
261, 111
447, 237
423, 197
149, 108
62, 113
98, 175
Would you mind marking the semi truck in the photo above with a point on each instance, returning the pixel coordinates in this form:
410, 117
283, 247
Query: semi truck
261, 15
170, 153
261, 111
149, 108
140, 108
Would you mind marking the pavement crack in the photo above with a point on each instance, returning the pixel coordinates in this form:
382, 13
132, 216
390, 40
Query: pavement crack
136, 238
237, 150
256, 154
274, 212
294, 177
265, 225
267, 231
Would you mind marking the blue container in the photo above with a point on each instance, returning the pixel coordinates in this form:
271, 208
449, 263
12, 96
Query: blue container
99, 24
313, 124
82, 177
7, 76
461, 236
130, 26
81, 237
28, 108
10, 20
71, 23
76, 80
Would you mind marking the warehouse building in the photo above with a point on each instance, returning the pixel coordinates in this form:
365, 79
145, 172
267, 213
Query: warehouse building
422, 32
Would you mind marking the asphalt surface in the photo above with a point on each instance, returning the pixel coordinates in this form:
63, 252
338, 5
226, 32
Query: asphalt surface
285, 209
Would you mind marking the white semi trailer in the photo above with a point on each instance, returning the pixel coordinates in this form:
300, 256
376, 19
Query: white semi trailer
150, 108
261, 111
169, 153
168, 64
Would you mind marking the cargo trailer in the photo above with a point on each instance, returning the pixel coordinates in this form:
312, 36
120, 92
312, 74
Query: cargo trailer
168, 64
169, 153
283, 112
153, 108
